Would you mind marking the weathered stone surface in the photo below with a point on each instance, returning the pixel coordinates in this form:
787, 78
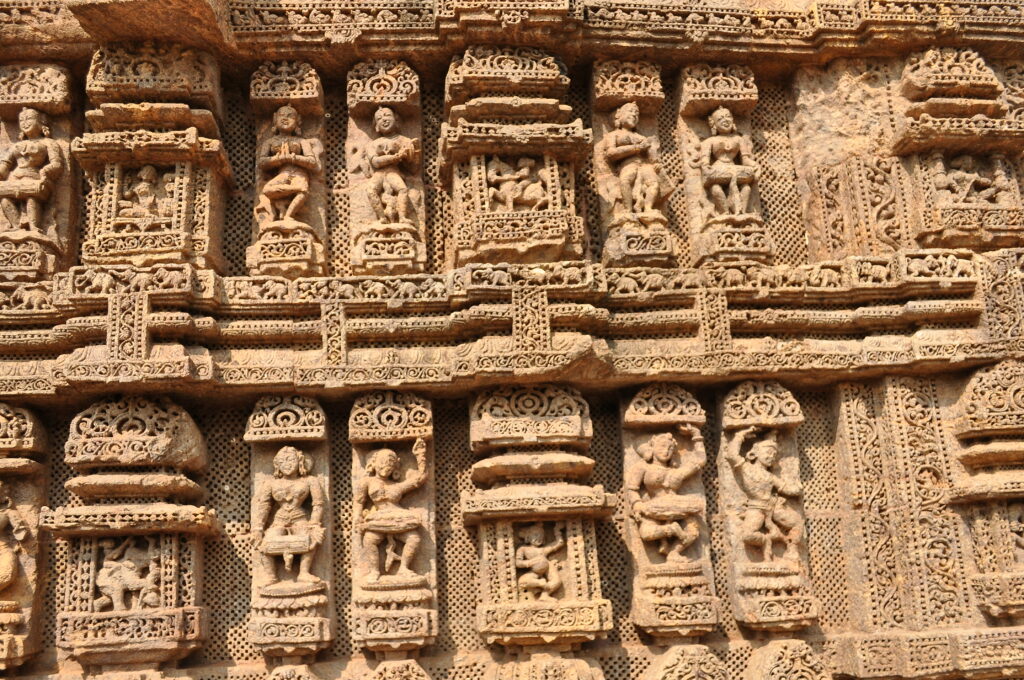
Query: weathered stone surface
511, 339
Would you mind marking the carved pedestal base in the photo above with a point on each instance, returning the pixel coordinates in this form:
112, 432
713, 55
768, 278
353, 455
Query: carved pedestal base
544, 664
675, 600
27, 256
743, 237
981, 228
286, 248
388, 249
636, 245
146, 636
526, 236
1000, 594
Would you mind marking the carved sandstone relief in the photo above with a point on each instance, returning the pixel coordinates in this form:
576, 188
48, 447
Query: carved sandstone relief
387, 218
132, 592
22, 494
722, 174
157, 171
38, 186
630, 179
673, 594
509, 153
290, 530
290, 209
761, 501
393, 535
540, 590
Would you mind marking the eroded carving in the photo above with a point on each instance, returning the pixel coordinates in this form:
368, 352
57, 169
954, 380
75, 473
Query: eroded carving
761, 489
668, 535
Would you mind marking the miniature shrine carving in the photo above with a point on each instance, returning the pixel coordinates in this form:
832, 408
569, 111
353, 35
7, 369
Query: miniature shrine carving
136, 560
540, 533
509, 152
154, 164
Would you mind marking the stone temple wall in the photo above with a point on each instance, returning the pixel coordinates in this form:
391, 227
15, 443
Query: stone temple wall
492, 340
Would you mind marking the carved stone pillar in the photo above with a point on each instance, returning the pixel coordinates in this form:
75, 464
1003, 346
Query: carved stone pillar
961, 145
722, 175
991, 429
38, 190
760, 500
291, 199
540, 590
630, 180
509, 153
132, 591
394, 578
22, 492
290, 528
387, 232
666, 529
156, 170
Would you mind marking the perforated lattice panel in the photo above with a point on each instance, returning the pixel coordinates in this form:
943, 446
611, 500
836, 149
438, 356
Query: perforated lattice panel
459, 653
780, 200
239, 137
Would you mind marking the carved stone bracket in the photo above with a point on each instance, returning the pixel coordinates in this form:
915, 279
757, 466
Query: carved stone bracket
387, 218
991, 430
764, 519
667, 532
131, 595
291, 205
290, 528
393, 535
